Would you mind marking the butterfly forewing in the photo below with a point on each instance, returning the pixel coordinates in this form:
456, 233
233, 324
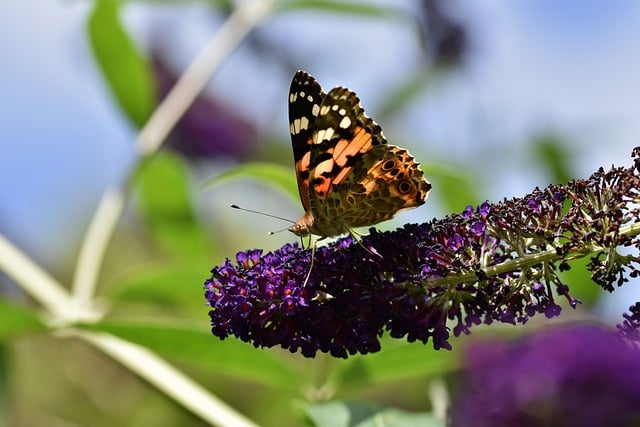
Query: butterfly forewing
342, 134
305, 97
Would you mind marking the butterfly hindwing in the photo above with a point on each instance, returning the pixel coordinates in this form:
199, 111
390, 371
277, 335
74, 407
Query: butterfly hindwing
386, 181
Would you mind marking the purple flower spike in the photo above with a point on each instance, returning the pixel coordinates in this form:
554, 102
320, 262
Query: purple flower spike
570, 376
493, 263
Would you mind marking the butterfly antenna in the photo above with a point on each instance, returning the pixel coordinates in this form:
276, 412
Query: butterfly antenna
278, 231
265, 214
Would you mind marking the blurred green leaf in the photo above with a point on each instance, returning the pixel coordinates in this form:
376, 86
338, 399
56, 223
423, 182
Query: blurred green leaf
16, 320
176, 286
282, 178
5, 385
455, 188
343, 7
398, 361
166, 206
408, 90
128, 74
197, 347
551, 154
358, 414
578, 278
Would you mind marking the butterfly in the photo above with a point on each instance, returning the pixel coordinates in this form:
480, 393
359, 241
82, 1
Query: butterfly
348, 176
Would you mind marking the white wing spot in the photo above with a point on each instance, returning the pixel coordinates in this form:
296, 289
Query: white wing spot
324, 110
323, 135
310, 98
345, 123
335, 107
299, 124
293, 97
304, 123
302, 93
342, 112
315, 109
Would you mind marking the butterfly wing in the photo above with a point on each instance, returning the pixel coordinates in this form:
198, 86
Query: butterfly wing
305, 98
356, 178
347, 174
342, 133
386, 181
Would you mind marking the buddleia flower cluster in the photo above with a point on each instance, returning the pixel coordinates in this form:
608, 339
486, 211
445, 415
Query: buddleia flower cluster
496, 262
572, 376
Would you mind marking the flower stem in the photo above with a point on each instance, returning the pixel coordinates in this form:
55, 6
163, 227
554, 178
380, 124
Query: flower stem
528, 260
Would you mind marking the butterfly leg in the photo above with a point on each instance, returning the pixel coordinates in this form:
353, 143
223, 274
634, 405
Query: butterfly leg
313, 258
354, 234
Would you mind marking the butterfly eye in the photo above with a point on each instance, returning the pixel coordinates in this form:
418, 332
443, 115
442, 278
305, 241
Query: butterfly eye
405, 187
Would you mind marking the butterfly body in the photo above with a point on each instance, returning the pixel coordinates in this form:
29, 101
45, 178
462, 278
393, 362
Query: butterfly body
348, 176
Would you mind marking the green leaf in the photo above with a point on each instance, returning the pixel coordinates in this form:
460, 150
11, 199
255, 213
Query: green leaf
554, 156
397, 361
166, 206
455, 189
171, 287
6, 383
128, 74
343, 7
282, 178
197, 347
358, 414
16, 321
578, 278
408, 90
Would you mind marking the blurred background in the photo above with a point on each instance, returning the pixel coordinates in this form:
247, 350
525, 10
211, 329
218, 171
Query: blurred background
492, 97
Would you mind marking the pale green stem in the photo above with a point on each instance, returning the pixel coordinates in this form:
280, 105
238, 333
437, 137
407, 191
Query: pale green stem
164, 377
32, 278
244, 19
100, 231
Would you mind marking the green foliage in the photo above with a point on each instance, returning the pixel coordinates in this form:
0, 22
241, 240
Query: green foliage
196, 347
16, 321
356, 414
553, 155
171, 287
165, 203
270, 174
453, 188
341, 7
409, 361
127, 73
5, 402
407, 91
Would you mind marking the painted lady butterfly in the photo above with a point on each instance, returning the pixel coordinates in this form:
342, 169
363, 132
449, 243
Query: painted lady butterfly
348, 176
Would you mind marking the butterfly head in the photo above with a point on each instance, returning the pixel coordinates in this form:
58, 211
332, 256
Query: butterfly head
303, 227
